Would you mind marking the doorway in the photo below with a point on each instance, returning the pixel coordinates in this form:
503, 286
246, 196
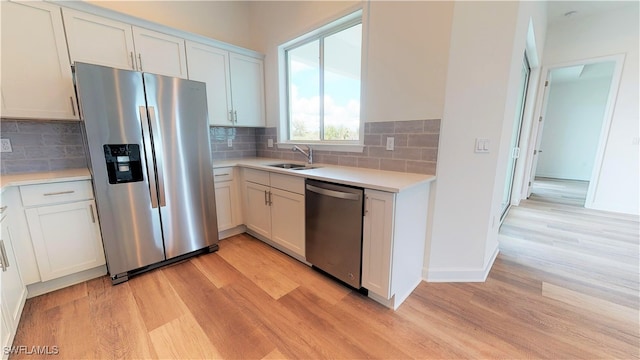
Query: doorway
572, 131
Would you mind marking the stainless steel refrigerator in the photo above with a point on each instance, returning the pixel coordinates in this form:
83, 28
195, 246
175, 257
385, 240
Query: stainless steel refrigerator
148, 140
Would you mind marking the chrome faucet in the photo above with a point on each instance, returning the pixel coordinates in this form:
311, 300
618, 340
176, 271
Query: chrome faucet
308, 153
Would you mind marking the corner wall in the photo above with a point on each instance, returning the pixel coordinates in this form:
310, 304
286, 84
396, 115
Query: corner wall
487, 45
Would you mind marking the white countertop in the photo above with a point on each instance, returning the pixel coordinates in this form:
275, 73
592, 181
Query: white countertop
390, 181
44, 177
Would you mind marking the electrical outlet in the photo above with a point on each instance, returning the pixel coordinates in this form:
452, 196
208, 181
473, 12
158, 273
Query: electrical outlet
269, 142
390, 143
5, 145
230, 142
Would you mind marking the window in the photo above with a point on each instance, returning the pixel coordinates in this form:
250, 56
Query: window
323, 84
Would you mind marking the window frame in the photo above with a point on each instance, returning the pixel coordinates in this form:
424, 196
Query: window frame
352, 18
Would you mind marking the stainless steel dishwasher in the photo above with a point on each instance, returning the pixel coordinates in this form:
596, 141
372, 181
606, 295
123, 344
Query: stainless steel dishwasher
334, 229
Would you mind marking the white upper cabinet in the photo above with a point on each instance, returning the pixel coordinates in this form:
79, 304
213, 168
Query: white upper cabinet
160, 53
96, 40
36, 72
235, 84
247, 89
211, 66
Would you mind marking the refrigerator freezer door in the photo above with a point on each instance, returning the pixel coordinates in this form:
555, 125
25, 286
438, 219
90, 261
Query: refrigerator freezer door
131, 229
180, 132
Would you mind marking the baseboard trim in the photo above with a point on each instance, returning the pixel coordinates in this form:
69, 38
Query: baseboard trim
240, 229
40, 288
460, 274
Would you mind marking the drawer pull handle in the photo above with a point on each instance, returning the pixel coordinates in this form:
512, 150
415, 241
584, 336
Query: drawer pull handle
60, 193
93, 217
221, 175
73, 106
3, 257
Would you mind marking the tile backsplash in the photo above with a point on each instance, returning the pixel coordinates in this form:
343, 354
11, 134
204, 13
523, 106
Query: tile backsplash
41, 146
415, 148
57, 145
243, 143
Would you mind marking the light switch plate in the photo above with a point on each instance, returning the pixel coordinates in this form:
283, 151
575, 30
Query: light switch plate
482, 145
230, 142
5, 145
269, 142
390, 143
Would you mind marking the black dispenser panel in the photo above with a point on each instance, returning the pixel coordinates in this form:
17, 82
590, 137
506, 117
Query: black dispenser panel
123, 163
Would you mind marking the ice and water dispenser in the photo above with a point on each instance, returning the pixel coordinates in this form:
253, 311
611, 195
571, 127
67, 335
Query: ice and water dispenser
123, 163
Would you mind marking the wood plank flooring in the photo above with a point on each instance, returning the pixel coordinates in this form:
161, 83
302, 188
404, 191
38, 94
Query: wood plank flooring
559, 191
249, 301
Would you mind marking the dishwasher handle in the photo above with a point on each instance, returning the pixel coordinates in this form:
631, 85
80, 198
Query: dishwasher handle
333, 193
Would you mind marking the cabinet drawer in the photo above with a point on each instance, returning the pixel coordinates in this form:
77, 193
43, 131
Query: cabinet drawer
223, 174
290, 183
55, 193
257, 176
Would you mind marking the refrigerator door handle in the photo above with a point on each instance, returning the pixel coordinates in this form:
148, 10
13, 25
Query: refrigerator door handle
155, 134
146, 138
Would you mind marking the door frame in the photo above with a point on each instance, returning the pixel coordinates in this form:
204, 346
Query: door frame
523, 115
537, 127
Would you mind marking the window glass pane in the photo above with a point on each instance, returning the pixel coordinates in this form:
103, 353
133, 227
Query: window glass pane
304, 92
342, 84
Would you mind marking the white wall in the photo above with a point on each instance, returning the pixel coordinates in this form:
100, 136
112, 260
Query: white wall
406, 59
487, 44
616, 32
573, 120
226, 21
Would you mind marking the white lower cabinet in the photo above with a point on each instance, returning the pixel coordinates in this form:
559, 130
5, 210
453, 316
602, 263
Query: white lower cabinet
228, 209
63, 227
61, 248
6, 335
274, 209
13, 291
258, 211
394, 232
287, 220
377, 234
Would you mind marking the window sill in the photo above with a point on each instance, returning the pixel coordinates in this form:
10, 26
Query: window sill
354, 148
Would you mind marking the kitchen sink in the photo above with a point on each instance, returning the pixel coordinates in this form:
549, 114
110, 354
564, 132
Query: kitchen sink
293, 166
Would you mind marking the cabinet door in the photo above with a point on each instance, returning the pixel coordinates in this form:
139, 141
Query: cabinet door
13, 290
6, 335
247, 89
96, 40
160, 53
36, 72
258, 212
287, 220
224, 205
211, 66
66, 238
377, 241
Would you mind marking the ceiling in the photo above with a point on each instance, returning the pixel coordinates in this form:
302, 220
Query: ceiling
556, 10
583, 72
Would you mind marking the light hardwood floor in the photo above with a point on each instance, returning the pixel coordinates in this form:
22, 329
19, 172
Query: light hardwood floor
559, 191
249, 301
